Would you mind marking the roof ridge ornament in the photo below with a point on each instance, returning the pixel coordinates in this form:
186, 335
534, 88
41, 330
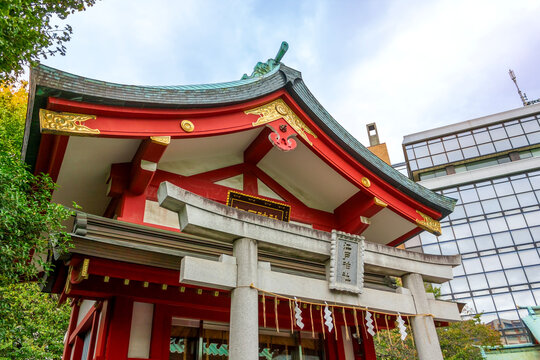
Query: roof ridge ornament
262, 69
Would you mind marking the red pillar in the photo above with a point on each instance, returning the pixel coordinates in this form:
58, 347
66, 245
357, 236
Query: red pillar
119, 329
161, 331
368, 347
72, 325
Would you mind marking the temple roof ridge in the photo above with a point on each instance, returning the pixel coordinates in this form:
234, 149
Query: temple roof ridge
55, 82
205, 86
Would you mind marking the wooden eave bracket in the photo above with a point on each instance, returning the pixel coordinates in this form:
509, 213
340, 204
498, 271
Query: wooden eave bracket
138, 174
258, 148
355, 213
144, 163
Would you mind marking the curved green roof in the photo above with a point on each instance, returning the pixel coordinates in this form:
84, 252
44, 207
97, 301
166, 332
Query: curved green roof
46, 81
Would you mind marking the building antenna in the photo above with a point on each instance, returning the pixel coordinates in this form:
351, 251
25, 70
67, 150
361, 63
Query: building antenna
523, 96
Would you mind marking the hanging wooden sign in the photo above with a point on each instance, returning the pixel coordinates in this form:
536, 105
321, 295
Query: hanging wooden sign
259, 206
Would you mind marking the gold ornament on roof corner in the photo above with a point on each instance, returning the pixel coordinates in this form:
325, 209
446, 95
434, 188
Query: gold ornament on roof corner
187, 126
429, 224
63, 123
161, 140
278, 109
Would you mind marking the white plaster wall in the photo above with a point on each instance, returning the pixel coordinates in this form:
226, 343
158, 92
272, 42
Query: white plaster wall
235, 182
141, 330
155, 214
264, 190
86, 306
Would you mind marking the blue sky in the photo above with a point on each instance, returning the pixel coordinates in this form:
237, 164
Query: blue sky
407, 65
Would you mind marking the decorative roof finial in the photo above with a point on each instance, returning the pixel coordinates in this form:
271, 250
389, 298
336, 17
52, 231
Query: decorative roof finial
262, 69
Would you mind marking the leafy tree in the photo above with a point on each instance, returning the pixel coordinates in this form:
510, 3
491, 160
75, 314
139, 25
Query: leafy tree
32, 326
388, 346
28, 220
27, 31
458, 341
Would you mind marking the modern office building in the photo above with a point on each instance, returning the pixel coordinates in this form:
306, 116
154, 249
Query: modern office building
491, 165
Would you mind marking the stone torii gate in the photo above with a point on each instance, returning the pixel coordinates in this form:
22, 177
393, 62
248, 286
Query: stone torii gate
250, 233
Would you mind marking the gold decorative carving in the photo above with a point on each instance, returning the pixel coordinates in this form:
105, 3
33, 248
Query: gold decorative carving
83, 271
429, 224
67, 286
278, 109
161, 140
61, 123
365, 181
379, 202
187, 126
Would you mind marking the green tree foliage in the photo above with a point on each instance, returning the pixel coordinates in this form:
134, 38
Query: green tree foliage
28, 220
458, 341
27, 31
31, 324
388, 346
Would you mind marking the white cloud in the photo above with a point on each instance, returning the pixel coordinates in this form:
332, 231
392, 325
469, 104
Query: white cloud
406, 65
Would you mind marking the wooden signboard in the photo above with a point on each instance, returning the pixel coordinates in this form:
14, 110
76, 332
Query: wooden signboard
259, 206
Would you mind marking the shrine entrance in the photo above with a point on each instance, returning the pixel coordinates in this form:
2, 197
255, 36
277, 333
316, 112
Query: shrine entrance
192, 339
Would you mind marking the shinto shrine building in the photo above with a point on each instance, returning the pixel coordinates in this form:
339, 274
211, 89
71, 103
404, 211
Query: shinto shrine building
235, 220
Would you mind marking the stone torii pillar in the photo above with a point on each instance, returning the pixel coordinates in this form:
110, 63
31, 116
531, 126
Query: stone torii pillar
244, 323
244, 312
425, 334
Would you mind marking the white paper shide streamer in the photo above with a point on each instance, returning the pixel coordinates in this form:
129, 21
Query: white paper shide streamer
369, 324
401, 327
328, 318
298, 314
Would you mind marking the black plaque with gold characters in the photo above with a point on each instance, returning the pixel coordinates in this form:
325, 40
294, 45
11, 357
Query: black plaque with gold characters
259, 206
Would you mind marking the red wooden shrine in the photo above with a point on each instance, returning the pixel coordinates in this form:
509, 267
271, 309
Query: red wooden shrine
110, 147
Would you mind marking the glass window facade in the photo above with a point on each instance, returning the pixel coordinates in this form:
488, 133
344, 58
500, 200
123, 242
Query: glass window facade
495, 225
513, 134
496, 229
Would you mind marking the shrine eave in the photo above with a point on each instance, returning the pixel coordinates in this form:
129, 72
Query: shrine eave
48, 82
